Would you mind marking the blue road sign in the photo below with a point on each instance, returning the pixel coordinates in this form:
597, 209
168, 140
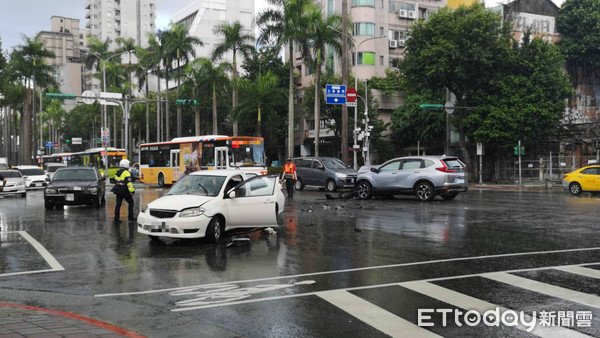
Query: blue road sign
336, 100
49, 145
335, 94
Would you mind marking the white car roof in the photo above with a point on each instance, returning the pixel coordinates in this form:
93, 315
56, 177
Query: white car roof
217, 172
27, 167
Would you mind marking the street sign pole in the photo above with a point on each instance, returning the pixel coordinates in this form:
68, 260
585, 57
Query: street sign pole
519, 150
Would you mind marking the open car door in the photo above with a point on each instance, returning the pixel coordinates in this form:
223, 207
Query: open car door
254, 204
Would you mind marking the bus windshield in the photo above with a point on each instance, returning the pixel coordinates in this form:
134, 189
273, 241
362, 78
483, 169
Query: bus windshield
249, 155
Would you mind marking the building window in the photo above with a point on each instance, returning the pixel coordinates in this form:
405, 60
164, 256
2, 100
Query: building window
381, 60
395, 6
330, 7
309, 69
356, 3
365, 58
364, 28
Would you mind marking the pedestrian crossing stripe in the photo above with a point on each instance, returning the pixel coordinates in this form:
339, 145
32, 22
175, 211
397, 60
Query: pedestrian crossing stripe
545, 288
463, 301
374, 316
580, 270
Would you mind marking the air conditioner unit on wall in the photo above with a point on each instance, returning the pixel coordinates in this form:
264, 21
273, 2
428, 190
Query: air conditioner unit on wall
412, 14
401, 43
403, 13
393, 43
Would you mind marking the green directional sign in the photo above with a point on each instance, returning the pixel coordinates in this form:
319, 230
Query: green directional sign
431, 106
517, 150
186, 102
60, 96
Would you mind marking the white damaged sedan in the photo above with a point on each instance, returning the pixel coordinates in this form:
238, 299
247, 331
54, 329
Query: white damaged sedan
207, 203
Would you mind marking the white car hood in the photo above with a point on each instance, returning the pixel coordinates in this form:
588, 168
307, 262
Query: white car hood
179, 202
36, 177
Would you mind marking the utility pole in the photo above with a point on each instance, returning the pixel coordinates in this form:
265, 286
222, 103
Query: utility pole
344, 141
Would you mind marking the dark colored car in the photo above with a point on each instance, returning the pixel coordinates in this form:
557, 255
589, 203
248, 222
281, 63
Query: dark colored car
75, 186
327, 172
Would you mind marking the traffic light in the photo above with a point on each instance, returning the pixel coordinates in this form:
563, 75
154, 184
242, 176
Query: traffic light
68, 141
186, 102
431, 106
517, 150
59, 96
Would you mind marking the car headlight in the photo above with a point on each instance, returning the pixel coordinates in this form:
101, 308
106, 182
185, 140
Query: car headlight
192, 212
50, 191
93, 190
20, 183
340, 175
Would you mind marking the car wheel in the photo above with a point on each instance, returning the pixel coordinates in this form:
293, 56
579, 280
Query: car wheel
161, 180
23, 194
154, 238
330, 185
299, 185
575, 189
215, 229
48, 205
449, 195
424, 191
364, 190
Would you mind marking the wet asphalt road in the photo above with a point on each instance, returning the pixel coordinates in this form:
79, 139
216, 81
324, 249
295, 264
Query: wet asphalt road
333, 268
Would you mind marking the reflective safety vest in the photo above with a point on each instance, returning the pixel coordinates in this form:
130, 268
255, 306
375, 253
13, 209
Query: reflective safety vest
290, 169
122, 180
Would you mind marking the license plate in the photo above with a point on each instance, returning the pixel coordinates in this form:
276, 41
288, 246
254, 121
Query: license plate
34, 185
70, 197
77, 188
159, 225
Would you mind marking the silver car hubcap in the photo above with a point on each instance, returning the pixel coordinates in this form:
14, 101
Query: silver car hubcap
217, 229
363, 190
330, 186
424, 191
574, 188
298, 184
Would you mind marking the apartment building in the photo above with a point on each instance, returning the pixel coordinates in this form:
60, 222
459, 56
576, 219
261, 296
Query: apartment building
66, 40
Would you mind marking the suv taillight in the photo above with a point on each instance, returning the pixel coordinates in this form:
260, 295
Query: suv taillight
445, 168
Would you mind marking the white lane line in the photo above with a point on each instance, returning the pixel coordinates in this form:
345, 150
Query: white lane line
544, 288
580, 270
466, 302
374, 316
448, 260
54, 264
314, 293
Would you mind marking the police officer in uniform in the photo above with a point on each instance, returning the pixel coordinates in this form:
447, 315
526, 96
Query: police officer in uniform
124, 190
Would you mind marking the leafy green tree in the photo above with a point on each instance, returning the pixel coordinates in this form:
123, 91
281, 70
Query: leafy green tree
285, 25
260, 97
205, 78
180, 46
320, 36
577, 22
236, 41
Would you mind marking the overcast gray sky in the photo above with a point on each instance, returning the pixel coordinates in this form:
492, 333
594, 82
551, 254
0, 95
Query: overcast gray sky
28, 17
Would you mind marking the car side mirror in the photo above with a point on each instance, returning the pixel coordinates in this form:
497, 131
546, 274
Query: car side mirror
24, 177
375, 170
231, 194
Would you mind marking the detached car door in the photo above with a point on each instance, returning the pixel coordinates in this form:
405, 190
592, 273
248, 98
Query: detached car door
254, 203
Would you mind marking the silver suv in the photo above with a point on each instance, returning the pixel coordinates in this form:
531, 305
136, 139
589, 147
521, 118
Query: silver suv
423, 176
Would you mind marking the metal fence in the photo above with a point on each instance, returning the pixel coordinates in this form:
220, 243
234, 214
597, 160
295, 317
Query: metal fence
550, 167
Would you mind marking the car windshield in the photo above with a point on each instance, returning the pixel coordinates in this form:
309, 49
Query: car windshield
334, 163
54, 168
201, 185
31, 172
75, 174
10, 173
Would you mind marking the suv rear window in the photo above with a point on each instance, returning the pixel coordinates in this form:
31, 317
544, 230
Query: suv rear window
453, 163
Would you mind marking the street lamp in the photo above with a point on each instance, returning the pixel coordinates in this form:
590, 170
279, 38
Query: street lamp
104, 118
355, 133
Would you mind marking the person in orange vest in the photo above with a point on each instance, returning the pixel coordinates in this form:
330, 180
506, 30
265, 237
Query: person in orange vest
289, 170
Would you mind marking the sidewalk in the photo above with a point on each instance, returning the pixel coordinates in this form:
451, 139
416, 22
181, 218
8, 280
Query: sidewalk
526, 186
27, 321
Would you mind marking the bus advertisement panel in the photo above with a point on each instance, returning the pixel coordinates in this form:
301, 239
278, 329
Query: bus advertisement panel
165, 162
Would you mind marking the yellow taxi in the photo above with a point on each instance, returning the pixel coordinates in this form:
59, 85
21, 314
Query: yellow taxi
583, 179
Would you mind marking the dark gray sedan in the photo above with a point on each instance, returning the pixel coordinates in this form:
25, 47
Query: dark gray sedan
75, 186
423, 176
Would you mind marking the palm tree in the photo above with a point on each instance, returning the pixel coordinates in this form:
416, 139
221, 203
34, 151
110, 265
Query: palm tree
29, 65
236, 40
260, 97
205, 77
286, 25
321, 36
145, 64
155, 55
180, 46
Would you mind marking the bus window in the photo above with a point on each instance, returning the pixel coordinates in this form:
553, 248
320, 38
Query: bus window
248, 155
208, 155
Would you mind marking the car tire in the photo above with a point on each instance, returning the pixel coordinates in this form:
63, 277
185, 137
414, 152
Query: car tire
447, 196
575, 189
330, 185
214, 231
48, 205
424, 191
23, 194
161, 180
364, 190
154, 238
299, 185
